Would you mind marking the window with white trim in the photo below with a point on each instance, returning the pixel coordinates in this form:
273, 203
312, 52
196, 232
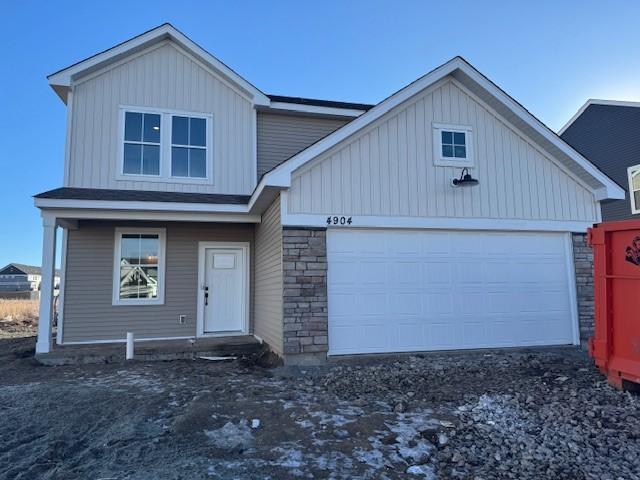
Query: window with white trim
141, 144
172, 146
188, 147
138, 276
634, 188
452, 145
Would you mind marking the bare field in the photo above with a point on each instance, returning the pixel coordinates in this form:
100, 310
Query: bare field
18, 318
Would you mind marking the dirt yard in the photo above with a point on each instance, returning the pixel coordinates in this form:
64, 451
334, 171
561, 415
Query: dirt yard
524, 415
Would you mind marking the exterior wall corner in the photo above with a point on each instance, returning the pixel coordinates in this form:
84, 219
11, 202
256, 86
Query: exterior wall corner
304, 267
583, 262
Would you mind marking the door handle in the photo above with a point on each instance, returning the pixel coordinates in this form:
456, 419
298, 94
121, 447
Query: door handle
206, 296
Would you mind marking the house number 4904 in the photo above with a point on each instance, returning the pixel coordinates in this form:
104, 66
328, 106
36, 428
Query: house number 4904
338, 220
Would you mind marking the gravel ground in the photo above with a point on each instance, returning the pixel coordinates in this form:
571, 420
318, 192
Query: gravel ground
479, 415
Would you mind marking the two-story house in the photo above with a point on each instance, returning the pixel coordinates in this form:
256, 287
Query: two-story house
18, 277
606, 132
194, 205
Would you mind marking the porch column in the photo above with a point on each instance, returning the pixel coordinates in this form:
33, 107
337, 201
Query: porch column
43, 345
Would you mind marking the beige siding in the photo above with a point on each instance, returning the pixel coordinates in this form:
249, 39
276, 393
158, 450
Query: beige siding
387, 169
280, 136
164, 77
268, 323
88, 312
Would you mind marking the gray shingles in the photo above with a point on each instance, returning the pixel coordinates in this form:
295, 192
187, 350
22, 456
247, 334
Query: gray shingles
67, 193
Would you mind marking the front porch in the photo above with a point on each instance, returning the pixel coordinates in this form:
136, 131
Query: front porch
168, 276
155, 350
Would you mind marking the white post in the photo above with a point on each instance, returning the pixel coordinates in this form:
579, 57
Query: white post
129, 346
43, 345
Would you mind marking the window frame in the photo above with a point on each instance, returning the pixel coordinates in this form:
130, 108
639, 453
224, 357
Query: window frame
635, 209
197, 147
166, 122
441, 161
117, 256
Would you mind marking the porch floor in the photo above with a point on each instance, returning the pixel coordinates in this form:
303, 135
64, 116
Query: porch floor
162, 350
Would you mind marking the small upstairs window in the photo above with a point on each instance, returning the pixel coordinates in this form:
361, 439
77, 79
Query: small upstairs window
634, 188
188, 147
141, 144
452, 145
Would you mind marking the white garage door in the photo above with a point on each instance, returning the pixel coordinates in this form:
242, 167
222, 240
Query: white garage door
399, 291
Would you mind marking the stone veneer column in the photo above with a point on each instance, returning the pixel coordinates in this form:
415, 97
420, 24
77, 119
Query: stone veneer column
583, 261
304, 265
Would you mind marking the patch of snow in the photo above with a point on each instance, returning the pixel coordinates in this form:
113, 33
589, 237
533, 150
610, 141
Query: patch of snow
231, 436
425, 471
374, 458
289, 458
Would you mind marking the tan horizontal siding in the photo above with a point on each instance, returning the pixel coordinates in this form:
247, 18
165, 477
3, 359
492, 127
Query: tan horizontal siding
88, 312
268, 323
280, 136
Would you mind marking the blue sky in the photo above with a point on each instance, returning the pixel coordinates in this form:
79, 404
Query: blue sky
549, 55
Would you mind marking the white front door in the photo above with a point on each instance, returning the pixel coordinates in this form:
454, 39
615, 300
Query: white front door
404, 290
224, 290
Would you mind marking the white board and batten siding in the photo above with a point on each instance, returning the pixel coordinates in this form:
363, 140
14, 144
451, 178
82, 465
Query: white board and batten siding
162, 77
387, 169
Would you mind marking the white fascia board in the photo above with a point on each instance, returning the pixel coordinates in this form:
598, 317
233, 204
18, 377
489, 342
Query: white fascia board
614, 191
282, 174
48, 203
146, 215
438, 223
64, 77
316, 109
596, 101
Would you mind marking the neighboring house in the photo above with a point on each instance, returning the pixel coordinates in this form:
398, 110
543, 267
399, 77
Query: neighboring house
195, 205
17, 277
606, 132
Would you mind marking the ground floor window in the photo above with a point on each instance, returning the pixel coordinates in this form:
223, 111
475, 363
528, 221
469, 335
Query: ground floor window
138, 276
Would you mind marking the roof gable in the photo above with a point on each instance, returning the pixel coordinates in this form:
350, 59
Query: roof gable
595, 101
20, 269
61, 81
491, 95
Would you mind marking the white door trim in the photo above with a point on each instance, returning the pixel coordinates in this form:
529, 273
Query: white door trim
202, 248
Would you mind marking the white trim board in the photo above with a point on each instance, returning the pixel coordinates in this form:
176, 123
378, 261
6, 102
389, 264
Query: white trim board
281, 175
202, 249
62, 80
443, 223
124, 340
596, 101
153, 216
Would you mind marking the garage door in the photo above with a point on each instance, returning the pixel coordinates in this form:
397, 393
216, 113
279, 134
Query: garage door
399, 291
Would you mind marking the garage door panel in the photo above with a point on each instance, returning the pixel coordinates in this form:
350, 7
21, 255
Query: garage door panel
420, 290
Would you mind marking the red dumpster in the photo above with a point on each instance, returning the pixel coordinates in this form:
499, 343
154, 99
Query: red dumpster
615, 346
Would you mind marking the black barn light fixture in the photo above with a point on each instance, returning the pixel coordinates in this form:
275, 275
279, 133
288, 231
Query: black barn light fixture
465, 180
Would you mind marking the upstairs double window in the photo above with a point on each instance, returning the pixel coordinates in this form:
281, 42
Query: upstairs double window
166, 146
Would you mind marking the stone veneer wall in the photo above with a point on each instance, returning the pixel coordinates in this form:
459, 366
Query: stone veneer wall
583, 261
304, 266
